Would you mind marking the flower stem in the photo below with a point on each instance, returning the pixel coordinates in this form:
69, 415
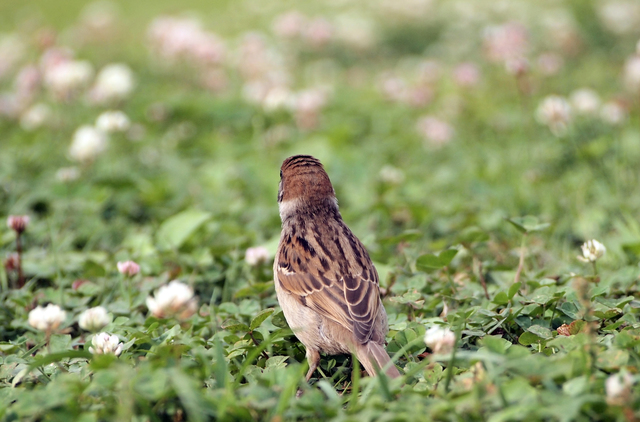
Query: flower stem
521, 263
19, 251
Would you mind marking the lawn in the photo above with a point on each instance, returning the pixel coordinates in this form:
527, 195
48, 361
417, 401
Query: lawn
487, 154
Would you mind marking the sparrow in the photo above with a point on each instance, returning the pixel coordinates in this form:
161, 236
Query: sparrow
324, 279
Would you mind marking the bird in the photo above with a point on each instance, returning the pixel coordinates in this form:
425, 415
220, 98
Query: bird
325, 282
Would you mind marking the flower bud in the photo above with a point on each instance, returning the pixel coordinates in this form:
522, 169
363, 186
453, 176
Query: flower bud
440, 340
47, 319
18, 223
94, 319
104, 343
129, 268
173, 300
12, 262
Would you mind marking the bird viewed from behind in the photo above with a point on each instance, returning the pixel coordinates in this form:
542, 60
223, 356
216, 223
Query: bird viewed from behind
325, 281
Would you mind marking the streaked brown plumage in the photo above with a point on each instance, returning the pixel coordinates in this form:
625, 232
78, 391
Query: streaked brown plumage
326, 283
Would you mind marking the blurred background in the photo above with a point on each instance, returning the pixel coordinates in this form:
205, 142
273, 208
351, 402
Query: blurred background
433, 118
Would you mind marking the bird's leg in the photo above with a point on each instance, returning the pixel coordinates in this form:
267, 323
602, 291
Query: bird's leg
313, 357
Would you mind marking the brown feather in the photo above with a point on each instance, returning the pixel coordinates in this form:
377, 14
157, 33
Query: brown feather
326, 283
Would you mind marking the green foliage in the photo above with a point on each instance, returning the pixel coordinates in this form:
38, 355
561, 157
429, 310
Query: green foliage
477, 233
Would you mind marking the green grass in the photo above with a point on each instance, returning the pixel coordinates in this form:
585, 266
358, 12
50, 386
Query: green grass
199, 187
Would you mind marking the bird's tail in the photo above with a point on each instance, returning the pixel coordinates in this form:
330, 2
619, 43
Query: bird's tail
374, 359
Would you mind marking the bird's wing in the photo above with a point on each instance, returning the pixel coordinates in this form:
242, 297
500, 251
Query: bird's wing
330, 271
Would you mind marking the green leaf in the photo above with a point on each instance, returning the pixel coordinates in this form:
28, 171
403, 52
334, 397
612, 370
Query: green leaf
51, 358
151, 385
279, 320
570, 310
234, 326
5, 348
253, 290
175, 230
190, 395
540, 331
528, 338
501, 299
527, 224
577, 326
429, 262
515, 287
277, 362
447, 256
612, 359
406, 236
472, 235
259, 319
576, 386
92, 269
632, 250
496, 344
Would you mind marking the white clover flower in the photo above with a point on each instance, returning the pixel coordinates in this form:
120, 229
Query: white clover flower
129, 268
307, 105
88, 142
48, 318
555, 112
184, 38
113, 121
277, 98
618, 388
173, 300
440, 340
505, 42
67, 77
94, 319
309, 100
613, 113
105, 343
592, 250
632, 73
585, 101
35, 116
115, 82
619, 16
256, 256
